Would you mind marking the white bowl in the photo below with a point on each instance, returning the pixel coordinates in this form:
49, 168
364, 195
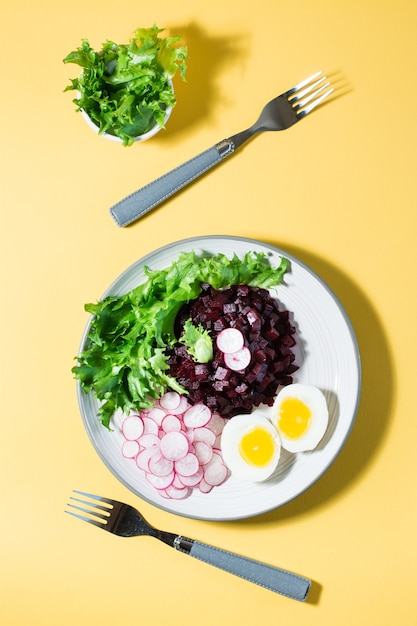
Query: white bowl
153, 131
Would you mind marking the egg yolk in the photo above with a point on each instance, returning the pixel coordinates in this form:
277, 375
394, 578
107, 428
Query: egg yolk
257, 447
294, 417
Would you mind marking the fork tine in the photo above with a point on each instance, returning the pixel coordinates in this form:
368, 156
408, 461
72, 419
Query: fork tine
94, 509
308, 91
299, 95
315, 102
303, 83
91, 504
90, 495
87, 519
310, 97
89, 511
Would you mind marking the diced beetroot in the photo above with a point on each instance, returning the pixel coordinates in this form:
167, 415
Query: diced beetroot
268, 334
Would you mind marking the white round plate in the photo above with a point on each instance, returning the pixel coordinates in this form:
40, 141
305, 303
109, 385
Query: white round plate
327, 355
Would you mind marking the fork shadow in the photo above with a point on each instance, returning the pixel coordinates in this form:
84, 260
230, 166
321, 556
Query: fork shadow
377, 397
198, 96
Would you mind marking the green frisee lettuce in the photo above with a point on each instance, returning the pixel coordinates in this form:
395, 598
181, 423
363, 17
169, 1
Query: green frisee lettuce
126, 89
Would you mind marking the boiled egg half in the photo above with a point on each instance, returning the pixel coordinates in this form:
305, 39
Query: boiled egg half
250, 447
301, 416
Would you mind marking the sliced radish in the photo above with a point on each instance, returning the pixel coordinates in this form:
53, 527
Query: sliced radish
144, 456
149, 440
216, 423
130, 449
190, 481
203, 452
170, 400
187, 465
238, 361
177, 482
132, 427
204, 487
164, 494
156, 414
215, 473
177, 494
197, 415
160, 466
230, 340
150, 426
174, 446
182, 407
217, 455
204, 434
160, 482
171, 423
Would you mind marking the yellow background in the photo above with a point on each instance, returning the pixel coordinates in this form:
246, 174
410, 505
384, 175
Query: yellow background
338, 191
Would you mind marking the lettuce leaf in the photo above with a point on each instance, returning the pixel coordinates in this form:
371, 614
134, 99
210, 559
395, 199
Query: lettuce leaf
126, 89
198, 342
124, 362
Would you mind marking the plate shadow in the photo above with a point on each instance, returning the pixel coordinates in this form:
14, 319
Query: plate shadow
378, 393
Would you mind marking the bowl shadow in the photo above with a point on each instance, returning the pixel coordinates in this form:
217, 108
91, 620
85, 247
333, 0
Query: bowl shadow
199, 95
377, 395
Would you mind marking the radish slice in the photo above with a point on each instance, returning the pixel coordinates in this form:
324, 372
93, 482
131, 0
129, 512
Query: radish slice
197, 415
204, 434
237, 361
170, 400
177, 482
171, 423
132, 427
215, 473
160, 466
177, 494
182, 407
157, 415
190, 481
130, 449
174, 446
188, 465
205, 487
164, 494
216, 423
203, 452
150, 426
160, 482
149, 440
144, 456
230, 340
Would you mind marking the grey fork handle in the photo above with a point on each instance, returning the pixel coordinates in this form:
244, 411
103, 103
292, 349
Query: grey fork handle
140, 202
272, 578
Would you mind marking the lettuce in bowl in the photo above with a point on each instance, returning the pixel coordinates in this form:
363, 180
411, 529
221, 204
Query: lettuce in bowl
126, 89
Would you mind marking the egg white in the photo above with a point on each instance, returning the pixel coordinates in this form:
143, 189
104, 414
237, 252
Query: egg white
233, 431
313, 398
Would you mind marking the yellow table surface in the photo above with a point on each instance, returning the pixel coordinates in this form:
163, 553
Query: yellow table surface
338, 191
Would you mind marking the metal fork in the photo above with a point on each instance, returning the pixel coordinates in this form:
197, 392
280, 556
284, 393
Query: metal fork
125, 521
280, 113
